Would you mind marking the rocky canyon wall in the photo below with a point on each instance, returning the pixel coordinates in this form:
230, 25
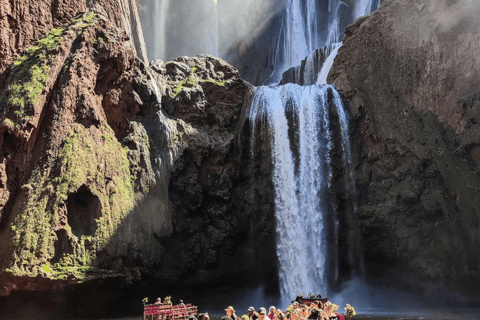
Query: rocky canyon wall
113, 170
409, 73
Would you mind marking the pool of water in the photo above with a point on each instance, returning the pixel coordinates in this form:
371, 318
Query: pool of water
461, 314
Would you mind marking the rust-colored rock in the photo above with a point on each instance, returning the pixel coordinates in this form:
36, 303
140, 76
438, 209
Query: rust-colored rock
22, 22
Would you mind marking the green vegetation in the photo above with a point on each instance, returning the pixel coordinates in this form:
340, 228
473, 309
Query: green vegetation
192, 80
31, 72
88, 157
217, 82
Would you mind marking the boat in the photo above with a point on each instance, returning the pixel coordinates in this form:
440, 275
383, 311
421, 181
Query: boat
310, 298
167, 311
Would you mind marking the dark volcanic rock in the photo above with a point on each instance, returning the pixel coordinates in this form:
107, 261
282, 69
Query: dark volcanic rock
408, 74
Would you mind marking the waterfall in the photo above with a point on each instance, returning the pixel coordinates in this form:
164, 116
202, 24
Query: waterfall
211, 31
301, 32
297, 119
302, 177
363, 7
161, 11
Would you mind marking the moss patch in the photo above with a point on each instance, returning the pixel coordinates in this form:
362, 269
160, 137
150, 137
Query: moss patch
31, 72
88, 157
193, 79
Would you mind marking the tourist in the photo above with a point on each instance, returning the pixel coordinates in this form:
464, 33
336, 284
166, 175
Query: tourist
323, 315
262, 313
295, 315
281, 315
251, 313
277, 313
271, 313
314, 314
330, 309
181, 304
303, 311
244, 317
231, 313
159, 301
206, 316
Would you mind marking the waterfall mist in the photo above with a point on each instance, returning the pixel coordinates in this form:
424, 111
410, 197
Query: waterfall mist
191, 27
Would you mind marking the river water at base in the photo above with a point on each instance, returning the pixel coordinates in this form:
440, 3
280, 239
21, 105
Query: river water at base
437, 314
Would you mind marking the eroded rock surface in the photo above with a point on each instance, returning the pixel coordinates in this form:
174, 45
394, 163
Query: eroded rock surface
113, 171
409, 73
215, 220
22, 22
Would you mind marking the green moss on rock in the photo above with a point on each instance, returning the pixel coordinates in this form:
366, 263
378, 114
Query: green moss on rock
194, 78
31, 72
88, 157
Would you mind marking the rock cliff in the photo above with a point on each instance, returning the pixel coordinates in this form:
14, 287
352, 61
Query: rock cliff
409, 73
113, 170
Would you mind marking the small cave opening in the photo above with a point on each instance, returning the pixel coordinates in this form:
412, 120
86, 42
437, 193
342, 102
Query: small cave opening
63, 245
83, 208
8, 140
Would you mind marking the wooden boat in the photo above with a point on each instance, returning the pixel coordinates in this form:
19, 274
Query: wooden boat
165, 311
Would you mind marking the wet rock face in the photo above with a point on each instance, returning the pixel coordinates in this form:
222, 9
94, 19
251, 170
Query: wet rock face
407, 75
215, 223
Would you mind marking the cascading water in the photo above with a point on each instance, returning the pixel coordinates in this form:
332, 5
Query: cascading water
327, 64
211, 34
301, 176
301, 32
157, 27
302, 166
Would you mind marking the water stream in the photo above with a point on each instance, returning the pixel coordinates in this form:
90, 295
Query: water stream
298, 119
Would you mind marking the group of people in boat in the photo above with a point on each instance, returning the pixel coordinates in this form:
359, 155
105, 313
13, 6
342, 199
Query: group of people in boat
316, 310
310, 309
